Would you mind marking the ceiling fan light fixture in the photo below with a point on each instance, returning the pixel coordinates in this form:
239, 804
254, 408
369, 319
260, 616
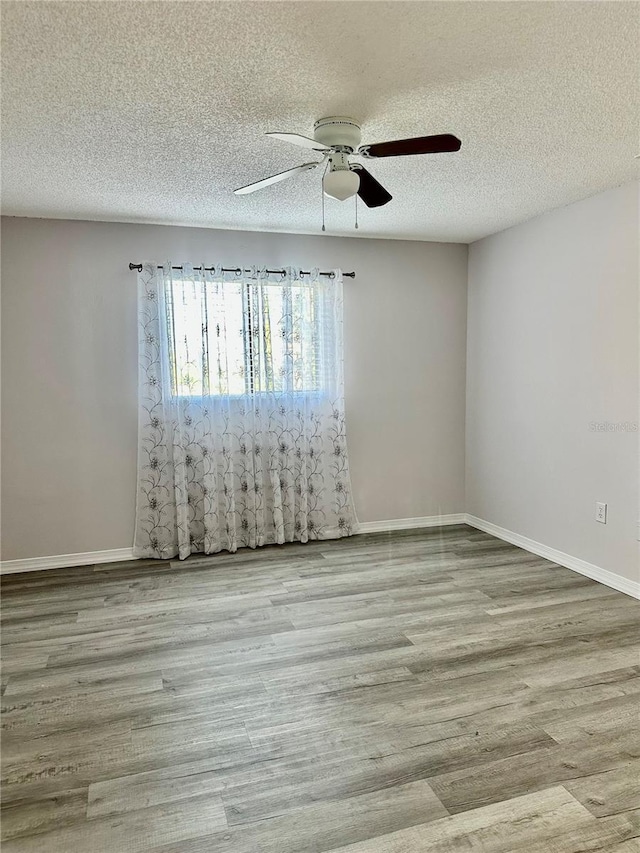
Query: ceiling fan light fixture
341, 184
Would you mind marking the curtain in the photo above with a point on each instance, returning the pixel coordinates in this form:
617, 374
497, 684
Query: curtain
241, 413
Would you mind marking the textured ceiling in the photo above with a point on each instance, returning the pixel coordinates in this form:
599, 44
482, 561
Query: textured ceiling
155, 112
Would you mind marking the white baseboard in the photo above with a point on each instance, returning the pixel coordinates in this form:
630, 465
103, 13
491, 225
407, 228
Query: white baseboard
62, 561
411, 523
596, 573
603, 576
89, 558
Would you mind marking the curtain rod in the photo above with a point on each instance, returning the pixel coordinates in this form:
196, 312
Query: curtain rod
138, 267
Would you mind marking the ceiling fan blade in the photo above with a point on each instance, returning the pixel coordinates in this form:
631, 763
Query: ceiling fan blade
371, 191
275, 179
298, 139
418, 145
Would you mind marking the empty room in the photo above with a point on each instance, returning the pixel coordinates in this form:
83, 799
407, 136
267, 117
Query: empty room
320, 470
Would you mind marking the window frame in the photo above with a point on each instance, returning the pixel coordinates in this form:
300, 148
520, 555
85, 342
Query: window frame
248, 331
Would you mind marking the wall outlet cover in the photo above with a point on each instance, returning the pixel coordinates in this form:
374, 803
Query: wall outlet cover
601, 512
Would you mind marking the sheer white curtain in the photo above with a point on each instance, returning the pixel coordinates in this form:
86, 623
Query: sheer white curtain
241, 417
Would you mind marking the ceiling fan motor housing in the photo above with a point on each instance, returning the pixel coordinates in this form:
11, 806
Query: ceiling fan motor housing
337, 132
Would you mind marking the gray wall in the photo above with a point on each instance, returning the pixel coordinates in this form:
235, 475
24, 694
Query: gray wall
69, 371
553, 348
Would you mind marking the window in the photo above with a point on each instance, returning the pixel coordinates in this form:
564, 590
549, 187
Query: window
233, 338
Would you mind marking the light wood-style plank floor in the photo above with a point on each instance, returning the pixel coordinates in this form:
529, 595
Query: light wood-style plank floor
429, 690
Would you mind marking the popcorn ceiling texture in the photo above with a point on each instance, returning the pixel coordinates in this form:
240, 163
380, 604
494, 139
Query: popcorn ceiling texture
155, 112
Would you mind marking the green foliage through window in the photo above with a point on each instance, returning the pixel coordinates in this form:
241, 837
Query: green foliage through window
233, 338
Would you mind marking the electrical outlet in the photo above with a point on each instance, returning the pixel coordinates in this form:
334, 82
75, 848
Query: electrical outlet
601, 512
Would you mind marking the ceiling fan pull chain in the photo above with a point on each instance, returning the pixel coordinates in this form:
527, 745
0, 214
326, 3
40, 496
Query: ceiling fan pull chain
322, 192
356, 198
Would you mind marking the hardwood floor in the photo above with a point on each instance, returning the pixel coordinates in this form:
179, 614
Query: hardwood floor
419, 691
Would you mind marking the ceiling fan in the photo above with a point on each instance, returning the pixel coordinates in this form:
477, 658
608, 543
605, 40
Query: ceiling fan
338, 139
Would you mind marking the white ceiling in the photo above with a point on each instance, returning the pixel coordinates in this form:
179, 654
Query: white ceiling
155, 111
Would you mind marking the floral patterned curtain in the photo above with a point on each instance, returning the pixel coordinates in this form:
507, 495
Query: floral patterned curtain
241, 417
